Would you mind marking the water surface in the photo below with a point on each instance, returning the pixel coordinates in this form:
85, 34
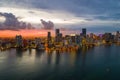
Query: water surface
99, 63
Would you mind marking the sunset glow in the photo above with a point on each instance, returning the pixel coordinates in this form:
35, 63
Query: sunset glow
24, 33
32, 33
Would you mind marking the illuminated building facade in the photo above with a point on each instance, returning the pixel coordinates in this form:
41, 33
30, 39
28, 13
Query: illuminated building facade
19, 41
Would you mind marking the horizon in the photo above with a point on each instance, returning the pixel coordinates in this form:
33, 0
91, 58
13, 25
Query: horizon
41, 33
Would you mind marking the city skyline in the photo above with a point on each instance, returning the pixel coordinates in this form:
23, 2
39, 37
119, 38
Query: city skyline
59, 41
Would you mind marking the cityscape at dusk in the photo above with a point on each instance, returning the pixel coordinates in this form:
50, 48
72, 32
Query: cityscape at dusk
59, 39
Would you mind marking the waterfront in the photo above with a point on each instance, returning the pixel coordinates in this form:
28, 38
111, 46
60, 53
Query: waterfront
98, 63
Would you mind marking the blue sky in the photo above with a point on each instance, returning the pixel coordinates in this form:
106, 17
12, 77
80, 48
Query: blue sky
96, 15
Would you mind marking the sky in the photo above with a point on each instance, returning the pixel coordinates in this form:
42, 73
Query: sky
97, 16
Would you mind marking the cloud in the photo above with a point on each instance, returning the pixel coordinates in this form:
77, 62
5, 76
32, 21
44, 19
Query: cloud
47, 25
11, 22
94, 13
80, 8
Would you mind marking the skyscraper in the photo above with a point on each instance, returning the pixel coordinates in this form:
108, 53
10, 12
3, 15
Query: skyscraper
57, 35
57, 32
49, 36
19, 41
84, 32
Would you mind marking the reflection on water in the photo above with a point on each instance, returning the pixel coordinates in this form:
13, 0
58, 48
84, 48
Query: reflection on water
101, 62
57, 61
49, 56
19, 53
38, 53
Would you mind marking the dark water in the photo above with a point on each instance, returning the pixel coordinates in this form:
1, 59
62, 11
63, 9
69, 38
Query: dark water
99, 63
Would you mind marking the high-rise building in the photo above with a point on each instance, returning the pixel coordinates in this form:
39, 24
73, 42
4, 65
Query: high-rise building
49, 34
60, 36
84, 32
49, 37
57, 32
57, 35
107, 37
73, 39
77, 39
19, 41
